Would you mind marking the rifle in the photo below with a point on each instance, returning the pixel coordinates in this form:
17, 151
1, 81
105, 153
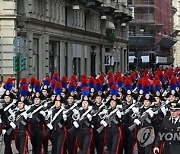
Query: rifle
71, 108
129, 108
100, 107
50, 124
9, 106
19, 119
81, 120
145, 116
110, 117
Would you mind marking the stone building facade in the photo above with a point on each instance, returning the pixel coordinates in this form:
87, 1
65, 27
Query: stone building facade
72, 37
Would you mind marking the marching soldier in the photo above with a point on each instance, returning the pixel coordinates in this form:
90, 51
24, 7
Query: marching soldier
129, 138
113, 127
37, 121
58, 131
8, 106
21, 130
99, 138
169, 126
83, 123
71, 136
147, 101
45, 90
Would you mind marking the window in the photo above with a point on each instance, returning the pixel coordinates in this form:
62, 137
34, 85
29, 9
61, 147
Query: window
54, 56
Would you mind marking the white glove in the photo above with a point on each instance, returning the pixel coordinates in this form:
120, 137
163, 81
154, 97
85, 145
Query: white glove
64, 117
0, 120
75, 111
135, 110
42, 113
137, 122
25, 115
119, 106
50, 126
104, 123
30, 115
75, 124
104, 111
45, 104
10, 111
27, 107
12, 124
150, 112
163, 109
118, 113
3, 131
49, 112
89, 117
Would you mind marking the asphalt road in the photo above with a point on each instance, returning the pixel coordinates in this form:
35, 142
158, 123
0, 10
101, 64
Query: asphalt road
30, 148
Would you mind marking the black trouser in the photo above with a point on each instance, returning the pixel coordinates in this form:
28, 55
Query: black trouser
21, 141
129, 140
58, 137
72, 142
37, 139
85, 139
113, 139
99, 140
7, 142
45, 143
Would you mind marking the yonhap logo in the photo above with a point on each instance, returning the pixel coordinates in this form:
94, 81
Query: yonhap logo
146, 136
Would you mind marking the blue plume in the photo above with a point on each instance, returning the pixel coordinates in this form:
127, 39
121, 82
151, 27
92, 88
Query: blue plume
98, 87
127, 87
58, 91
85, 92
8, 86
72, 88
146, 90
157, 88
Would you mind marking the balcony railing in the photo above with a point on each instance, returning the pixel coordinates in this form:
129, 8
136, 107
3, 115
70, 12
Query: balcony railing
140, 2
144, 17
133, 34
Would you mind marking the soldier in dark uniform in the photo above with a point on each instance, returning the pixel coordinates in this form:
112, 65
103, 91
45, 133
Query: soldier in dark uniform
71, 136
37, 122
147, 100
99, 138
8, 99
45, 90
21, 130
83, 123
171, 126
59, 132
114, 132
129, 138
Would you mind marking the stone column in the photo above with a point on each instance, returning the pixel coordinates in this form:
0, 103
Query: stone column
29, 49
44, 59
97, 60
122, 60
62, 58
70, 59
88, 60
82, 59
103, 59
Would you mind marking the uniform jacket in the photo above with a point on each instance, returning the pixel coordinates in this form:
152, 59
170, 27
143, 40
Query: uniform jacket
171, 143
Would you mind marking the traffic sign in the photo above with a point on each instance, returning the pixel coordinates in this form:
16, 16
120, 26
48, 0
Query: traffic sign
18, 42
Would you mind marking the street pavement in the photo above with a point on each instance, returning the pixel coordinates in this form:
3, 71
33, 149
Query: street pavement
30, 148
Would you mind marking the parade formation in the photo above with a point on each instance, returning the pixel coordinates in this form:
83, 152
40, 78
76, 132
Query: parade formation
110, 113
